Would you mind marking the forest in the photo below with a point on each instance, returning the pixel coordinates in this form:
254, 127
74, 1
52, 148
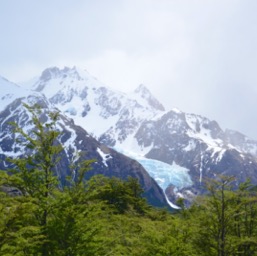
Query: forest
108, 216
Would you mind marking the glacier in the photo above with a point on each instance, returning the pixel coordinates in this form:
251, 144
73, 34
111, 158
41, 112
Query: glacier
164, 174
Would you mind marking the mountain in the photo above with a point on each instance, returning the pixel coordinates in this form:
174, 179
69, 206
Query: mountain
95, 106
199, 145
9, 92
74, 139
180, 150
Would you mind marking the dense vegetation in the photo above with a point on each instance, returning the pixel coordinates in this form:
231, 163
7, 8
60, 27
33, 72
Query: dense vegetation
108, 216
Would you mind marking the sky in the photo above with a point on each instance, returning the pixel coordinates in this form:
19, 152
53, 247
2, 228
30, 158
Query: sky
199, 56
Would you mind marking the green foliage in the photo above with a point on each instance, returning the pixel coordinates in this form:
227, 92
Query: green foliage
121, 196
225, 220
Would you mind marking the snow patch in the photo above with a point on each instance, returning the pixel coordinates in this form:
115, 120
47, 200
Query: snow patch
191, 146
104, 156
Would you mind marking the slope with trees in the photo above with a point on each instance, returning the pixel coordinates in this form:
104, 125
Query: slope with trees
108, 216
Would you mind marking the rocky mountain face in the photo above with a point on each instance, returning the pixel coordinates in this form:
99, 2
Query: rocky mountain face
180, 150
74, 140
200, 146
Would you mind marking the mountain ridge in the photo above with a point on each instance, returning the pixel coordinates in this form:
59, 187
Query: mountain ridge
138, 123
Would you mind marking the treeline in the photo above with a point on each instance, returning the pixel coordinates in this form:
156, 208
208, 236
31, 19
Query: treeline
108, 216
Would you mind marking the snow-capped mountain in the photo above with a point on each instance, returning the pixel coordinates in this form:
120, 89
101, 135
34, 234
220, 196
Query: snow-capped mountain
9, 92
74, 140
200, 146
95, 106
180, 150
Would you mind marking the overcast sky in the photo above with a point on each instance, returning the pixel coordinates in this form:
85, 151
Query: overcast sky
199, 56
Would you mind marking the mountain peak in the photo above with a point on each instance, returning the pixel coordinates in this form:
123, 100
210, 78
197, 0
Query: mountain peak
145, 94
55, 72
142, 89
58, 78
49, 73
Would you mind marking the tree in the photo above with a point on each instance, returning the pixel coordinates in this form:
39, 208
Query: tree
224, 220
121, 195
245, 219
212, 219
47, 219
77, 222
33, 173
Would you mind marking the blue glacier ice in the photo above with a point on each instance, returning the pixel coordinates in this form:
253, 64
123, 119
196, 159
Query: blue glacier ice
164, 174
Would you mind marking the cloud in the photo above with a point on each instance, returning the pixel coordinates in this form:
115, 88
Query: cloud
196, 55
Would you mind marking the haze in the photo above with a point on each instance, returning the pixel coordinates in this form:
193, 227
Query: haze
196, 55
